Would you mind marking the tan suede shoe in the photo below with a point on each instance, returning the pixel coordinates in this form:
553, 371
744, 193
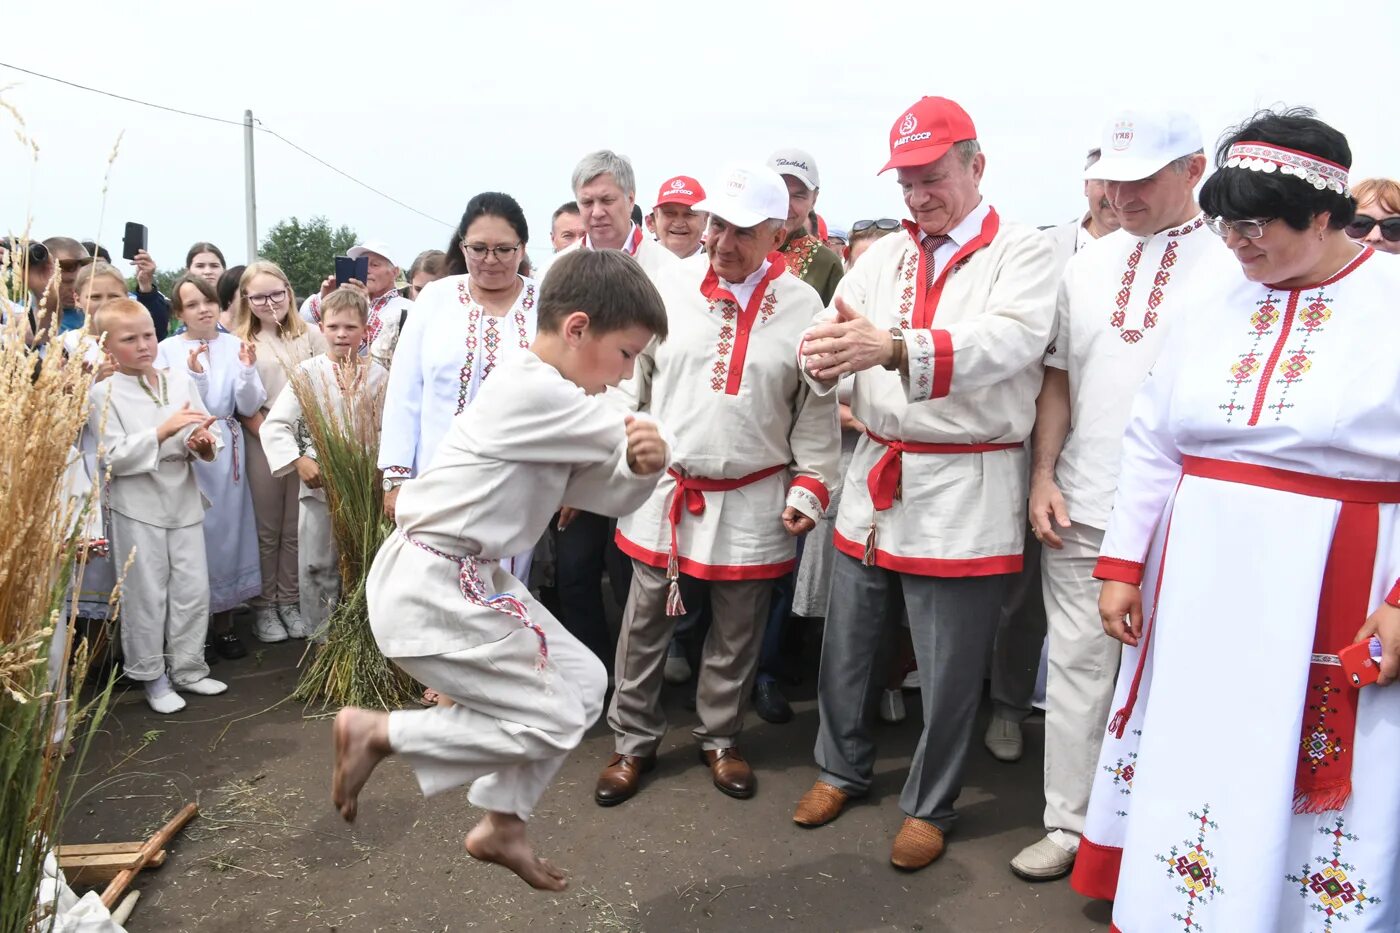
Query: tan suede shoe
820, 805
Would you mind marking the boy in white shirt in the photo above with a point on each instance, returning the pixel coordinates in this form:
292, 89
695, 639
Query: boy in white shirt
524, 690
349, 388
151, 424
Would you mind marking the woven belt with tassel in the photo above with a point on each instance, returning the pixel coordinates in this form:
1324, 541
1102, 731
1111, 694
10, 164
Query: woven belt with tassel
886, 477
690, 496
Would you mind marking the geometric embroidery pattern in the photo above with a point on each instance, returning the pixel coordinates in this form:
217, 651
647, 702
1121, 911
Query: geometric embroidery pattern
1159, 284
720, 371
1123, 771
1329, 884
489, 341
799, 254
1321, 747
1294, 363
909, 265
1189, 866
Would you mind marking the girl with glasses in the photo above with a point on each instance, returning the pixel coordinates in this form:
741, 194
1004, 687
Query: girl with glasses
281, 341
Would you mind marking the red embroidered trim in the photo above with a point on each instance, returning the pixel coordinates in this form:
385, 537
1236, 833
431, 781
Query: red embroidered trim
733, 344
491, 339
1159, 284
925, 301
1268, 373
815, 487
933, 566
799, 254
701, 571
942, 364
1096, 870
398, 470
1116, 568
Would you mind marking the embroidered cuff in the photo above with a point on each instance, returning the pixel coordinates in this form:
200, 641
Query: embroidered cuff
1115, 568
1393, 598
808, 496
918, 345
405, 472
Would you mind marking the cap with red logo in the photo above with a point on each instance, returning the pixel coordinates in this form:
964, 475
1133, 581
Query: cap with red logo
682, 190
926, 131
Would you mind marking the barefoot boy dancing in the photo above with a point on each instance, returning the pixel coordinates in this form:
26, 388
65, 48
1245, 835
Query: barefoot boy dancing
537, 437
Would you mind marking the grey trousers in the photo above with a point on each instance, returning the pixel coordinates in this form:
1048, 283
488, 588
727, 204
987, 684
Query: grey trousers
165, 600
318, 564
728, 661
952, 621
1020, 640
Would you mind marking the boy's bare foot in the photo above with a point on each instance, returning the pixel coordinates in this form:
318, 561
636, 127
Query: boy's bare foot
500, 838
361, 742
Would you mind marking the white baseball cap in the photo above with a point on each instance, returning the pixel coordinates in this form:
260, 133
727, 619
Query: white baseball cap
1139, 143
378, 247
747, 194
798, 164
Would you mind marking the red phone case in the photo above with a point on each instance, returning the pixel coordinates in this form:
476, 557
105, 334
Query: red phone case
1361, 669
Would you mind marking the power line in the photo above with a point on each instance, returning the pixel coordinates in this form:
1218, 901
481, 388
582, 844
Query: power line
260, 127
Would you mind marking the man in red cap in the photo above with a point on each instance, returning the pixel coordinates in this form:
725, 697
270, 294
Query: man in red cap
945, 328
674, 221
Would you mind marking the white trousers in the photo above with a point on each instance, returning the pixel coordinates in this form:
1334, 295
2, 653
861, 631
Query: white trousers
1083, 668
318, 563
513, 724
164, 600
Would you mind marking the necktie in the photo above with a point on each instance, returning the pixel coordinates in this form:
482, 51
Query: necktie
930, 245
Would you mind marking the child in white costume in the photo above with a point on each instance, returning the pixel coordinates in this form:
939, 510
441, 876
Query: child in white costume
343, 382
443, 608
225, 372
151, 423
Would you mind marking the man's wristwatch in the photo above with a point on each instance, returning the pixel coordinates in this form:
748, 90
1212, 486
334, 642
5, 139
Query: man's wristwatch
897, 348
392, 482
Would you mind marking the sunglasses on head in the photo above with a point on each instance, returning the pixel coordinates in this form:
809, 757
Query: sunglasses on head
884, 223
1361, 226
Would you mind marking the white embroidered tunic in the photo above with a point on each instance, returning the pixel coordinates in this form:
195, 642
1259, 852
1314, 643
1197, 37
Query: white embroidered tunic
448, 347
729, 382
975, 341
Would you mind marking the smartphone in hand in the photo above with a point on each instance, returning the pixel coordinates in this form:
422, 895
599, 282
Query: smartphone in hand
134, 240
347, 269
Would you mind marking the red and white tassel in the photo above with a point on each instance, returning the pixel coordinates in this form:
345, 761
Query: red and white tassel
869, 559
674, 606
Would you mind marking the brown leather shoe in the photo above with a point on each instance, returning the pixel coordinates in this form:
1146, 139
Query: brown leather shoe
917, 844
820, 805
619, 780
732, 773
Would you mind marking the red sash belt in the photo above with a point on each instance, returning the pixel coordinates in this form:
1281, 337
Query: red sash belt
689, 496
1323, 778
885, 481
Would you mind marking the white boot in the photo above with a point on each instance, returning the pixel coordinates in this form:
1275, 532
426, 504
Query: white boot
267, 627
292, 621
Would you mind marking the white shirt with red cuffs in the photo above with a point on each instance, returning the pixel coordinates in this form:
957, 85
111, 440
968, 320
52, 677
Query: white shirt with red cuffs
728, 383
975, 343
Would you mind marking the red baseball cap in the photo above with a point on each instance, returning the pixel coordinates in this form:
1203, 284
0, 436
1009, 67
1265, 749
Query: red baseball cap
680, 190
926, 131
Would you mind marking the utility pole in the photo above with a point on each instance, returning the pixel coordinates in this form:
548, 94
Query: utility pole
249, 187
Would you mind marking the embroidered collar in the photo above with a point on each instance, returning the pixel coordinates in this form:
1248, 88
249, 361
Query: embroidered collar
715, 289
967, 228
799, 253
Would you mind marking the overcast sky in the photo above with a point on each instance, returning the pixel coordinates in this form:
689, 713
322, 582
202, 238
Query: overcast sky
433, 101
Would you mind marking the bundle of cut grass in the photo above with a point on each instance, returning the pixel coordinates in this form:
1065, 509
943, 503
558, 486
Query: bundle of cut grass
43, 545
347, 668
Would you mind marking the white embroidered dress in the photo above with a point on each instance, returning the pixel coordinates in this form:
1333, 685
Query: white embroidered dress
1271, 421
228, 388
448, 347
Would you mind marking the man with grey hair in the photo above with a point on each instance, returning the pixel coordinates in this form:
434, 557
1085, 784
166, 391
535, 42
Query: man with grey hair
1118, 299
944, 328
1099, 220
753, 464
605, 190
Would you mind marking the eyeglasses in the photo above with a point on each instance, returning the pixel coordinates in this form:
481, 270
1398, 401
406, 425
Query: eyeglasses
1361, 226
1249, 229
271, 298
884, 223
481, 251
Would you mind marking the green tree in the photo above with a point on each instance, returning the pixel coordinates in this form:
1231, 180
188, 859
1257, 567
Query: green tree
306, 251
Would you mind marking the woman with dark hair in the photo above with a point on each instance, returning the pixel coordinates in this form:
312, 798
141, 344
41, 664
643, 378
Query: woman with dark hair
227, 290
460, 328
1246, 784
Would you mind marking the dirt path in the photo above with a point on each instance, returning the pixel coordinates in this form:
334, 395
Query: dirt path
269, 852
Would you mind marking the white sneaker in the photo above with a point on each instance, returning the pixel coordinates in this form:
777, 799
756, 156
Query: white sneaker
1046, 860
205, 687
267, 627
296, 626
677, 670
162, 699
892, 706
1003, 739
